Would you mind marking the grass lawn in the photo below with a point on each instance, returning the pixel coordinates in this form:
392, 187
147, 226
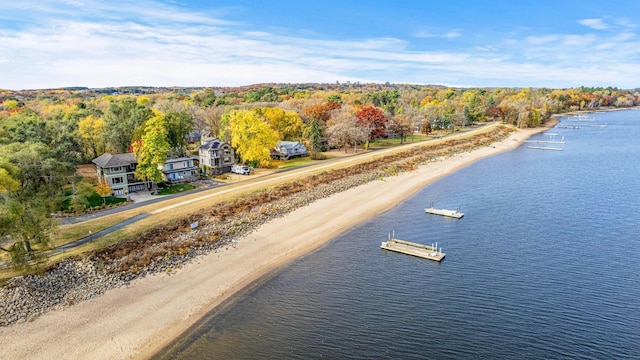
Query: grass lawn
295, 162
95, 200
395, 141
174, 189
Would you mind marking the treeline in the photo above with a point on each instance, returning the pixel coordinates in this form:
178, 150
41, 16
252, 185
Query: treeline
45, 134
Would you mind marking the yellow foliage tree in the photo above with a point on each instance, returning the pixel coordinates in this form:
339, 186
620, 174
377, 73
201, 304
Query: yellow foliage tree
251, 135
152, 149
91, 131
103, 189
288, 124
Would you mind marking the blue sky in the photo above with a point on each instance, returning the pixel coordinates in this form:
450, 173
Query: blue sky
543, 43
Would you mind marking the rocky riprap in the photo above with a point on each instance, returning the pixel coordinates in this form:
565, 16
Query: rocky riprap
78, 279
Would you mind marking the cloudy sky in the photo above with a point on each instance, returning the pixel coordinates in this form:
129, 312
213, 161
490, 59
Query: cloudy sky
542, 43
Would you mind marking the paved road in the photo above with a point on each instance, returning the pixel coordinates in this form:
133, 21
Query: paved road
106, 231
136, 204
264, 180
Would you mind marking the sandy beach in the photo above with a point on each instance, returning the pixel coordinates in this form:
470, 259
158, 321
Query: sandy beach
136, 321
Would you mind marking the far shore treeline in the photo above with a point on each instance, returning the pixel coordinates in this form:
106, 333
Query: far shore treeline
46, 134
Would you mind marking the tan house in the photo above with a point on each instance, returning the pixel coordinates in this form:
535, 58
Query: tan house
216, 157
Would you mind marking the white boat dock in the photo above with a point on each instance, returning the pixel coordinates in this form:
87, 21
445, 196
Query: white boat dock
544, 148
414, 249
444, 212
545, 141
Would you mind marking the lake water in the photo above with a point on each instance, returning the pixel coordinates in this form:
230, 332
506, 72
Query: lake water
545, 264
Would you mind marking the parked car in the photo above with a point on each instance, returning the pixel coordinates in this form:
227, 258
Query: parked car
240, 169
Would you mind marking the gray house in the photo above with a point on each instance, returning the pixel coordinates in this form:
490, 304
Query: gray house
118, 172
180, 170
288, 149
216, 157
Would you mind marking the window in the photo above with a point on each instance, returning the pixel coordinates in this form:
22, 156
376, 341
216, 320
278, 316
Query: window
185, 164
117, 180
226, 151
170, 166
115, 169
227, 159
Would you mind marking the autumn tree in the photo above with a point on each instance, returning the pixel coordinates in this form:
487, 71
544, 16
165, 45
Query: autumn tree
91, 131
320, 112
347, 132
425, 127
402, 125
251, 135
151, 151
288, 124
374, 118
103, 189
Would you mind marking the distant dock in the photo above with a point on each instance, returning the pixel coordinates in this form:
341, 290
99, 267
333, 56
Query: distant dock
414, 249
545, 148
545, 141
444, 212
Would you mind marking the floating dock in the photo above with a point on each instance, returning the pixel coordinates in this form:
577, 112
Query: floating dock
415, 249
545, 148
444, 212
544, 141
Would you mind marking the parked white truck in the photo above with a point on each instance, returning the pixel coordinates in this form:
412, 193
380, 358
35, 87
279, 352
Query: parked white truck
240, 169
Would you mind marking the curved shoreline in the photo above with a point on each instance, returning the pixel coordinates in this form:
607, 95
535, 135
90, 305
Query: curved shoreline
139, 320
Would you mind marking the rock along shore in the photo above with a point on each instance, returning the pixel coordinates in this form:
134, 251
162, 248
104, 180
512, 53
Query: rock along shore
79, 279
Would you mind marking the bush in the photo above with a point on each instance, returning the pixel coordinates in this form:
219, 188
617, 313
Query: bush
317, 156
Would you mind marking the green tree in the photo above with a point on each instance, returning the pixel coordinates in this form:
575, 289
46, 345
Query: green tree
152, 149
121, 121
314, 133
251, 136
179, 125
30, 185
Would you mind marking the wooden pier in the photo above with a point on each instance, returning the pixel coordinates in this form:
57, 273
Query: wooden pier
444, 212
414, 249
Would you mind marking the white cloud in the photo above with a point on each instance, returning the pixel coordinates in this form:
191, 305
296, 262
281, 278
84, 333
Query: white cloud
596, 24
447, 35
452, 34
540, 40
177, 47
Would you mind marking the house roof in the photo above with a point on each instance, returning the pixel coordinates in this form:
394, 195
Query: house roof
211, 145
288, 144
108, 161
180, 159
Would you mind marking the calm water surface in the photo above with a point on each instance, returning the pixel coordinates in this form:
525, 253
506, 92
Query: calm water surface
545, 264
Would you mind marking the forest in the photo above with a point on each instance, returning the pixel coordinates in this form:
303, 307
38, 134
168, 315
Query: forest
46, 134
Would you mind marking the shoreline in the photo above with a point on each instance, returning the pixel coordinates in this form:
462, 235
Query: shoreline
139, 320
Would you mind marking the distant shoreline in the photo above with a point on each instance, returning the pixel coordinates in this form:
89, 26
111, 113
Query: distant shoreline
140, 320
